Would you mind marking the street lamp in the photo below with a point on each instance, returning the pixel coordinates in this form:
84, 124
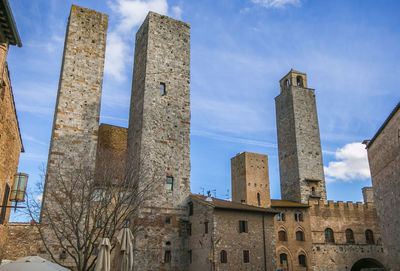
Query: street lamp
19, 188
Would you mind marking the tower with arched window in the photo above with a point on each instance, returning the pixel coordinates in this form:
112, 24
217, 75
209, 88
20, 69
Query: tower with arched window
300, 155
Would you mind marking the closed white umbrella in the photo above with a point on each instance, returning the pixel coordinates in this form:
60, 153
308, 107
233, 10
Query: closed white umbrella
32, 263
103, 258
125, 253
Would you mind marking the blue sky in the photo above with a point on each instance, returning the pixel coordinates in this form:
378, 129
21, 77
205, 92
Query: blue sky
239, 51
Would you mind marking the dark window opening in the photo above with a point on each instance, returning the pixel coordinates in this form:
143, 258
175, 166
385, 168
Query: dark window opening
258, 199
162, 89
282, 236
205, 227
189, 229
223, 256
298, 216
302, 260
246, 256
299, 81
190, 256
169, 183
369, 237
242, 201
5, 202
167, 256
281, 217
283, 259
287, 83
168, 243
168, 220
299, 236
190, 208
349, 236
243, 226
329, 237
98, 223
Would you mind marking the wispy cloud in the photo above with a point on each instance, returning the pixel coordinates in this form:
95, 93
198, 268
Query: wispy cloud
38, 157
277, 3
131, 14
351, 164
26, 137
240, 140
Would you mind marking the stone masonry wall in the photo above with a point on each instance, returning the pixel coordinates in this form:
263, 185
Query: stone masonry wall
23, 241
340, 216
159, 137
293, 247
226, 236
300, 155
75, 127
10, 147
249, 178
384, 162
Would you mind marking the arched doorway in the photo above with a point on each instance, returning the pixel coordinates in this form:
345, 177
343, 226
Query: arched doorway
368, 264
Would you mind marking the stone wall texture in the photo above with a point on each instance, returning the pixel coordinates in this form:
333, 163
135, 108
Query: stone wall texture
340, 216
250, 179
10, 145
75, 127
291, 246
159, 138
384, 162
23, 241
300, 156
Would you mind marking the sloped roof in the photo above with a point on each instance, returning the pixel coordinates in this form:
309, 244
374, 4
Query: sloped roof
8, 25
225, 204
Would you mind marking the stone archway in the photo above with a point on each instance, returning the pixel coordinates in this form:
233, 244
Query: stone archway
368, 264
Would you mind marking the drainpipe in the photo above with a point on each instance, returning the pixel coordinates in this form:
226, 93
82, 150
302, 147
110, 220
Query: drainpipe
263, 233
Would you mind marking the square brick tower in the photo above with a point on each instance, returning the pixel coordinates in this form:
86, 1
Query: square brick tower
76, 117
250, 179
159, 141
299, 146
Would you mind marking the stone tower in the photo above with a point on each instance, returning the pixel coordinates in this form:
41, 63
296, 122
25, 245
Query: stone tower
300, 157
76, 117
250, 179
159, 140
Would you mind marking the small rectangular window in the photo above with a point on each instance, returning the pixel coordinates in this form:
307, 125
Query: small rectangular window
246, 256
162, 89
189, 229
278, 217
167, 256
205, 227
168, 220
190, 256
127, 223
169, 183
242, 226
190, 208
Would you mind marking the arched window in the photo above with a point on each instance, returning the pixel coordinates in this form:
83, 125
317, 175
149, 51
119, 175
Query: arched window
299, 236
287, 83
369, 237
299, 81
224, 256
283, 217
349, 236
282, 236
329, 238
258, 199
302, 260
298, 216
283, 259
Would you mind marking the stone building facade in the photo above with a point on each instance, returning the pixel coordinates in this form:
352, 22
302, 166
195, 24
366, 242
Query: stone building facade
10, 136
182, 231
159, 139
384, 161
300, 156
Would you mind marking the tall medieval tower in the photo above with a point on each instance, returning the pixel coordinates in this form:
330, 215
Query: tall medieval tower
159, 140
300, 156
76, 117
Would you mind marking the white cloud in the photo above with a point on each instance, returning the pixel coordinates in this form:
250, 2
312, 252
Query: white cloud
351, 164
277, 3
131, 14
177, 12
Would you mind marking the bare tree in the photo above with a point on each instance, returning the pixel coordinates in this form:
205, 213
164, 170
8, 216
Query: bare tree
82, 206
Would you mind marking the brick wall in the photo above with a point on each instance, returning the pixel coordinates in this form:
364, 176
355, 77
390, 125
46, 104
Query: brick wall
23, 241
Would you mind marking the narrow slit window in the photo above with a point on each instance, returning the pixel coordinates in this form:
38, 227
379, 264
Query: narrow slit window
169, 183
246, 256
205, 227
162, 89
167, 256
